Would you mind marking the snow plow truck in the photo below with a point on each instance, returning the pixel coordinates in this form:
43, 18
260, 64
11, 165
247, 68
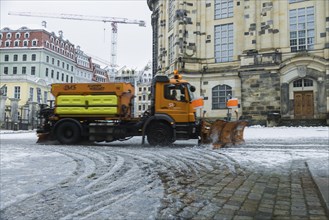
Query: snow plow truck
100, 112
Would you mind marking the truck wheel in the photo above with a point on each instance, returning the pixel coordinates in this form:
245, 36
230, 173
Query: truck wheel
159, 133
68, 133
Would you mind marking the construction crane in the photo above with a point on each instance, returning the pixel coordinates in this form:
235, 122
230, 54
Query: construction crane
113, 20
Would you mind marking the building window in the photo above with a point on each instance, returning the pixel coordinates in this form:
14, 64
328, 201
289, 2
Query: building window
4, 91
5, 70
171, 52
58, 63
223, 9
17, 92
45, 97
7, 43
47, 72
63, 77
26, 35
24, 57
34, 56
171, 14
224, 43
17, 35
67, 78
14, 70
25, 43
303, 83
71, 79
6, 57
16, 43
47, 59
34, 43
33, 70
57, 76
63, 65
302, 29
52, 74
39, 95
220, 95
15, 57
0, 36
52, 61
24, 70
8, 35
31, 94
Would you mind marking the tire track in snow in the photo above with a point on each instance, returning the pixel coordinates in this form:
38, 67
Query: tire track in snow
108, 176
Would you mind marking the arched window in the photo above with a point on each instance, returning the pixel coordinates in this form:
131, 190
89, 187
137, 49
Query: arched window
220, 94
25, 43
34, 42
303, 83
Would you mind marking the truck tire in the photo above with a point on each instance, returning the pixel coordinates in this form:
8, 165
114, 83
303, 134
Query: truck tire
159, 133
68, 132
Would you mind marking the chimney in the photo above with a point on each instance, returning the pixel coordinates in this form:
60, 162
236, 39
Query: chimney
60, 33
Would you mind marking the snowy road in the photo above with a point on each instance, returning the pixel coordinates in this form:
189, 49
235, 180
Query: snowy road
267, 178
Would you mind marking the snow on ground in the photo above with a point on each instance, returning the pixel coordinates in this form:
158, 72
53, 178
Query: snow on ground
260, 132
272, 148
277, 147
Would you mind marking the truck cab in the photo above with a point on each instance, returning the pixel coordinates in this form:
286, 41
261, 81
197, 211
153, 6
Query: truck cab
173, 110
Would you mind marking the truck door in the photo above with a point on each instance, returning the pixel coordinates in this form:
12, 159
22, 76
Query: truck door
175, 102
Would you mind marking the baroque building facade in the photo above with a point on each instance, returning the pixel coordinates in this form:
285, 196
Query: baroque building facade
272, 55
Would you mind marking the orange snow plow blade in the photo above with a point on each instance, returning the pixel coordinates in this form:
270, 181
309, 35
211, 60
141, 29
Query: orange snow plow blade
222, 133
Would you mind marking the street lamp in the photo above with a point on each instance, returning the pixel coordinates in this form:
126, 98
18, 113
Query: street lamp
228, 97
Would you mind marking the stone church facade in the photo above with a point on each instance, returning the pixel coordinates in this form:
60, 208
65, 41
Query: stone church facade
273, 56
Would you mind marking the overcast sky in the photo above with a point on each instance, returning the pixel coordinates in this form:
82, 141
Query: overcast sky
134, 48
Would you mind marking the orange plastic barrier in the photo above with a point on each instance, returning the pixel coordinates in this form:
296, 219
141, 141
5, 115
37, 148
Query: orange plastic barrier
231, 103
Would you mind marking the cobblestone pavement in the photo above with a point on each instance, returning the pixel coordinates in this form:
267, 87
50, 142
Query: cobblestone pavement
221, 194
180, 182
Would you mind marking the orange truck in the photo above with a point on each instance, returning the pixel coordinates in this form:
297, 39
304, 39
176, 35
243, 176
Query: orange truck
104, 112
